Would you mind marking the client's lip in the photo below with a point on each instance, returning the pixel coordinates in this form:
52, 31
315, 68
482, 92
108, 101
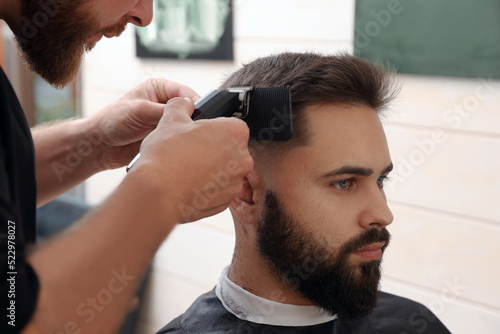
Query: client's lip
371, 252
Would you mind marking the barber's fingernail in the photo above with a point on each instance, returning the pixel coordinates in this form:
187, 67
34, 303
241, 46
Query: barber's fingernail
180, 98
172, 100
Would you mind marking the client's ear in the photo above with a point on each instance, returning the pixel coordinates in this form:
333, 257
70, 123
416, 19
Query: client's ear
245, 204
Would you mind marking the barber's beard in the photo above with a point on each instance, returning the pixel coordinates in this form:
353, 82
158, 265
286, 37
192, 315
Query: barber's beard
324, 276
55, 50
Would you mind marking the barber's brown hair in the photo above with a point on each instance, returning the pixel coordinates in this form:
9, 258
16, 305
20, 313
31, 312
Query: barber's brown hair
318, 79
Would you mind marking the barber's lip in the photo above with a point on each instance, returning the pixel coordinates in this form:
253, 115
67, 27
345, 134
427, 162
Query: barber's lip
96, 38
371, 252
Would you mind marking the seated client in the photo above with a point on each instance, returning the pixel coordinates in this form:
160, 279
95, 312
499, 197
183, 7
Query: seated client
311, 220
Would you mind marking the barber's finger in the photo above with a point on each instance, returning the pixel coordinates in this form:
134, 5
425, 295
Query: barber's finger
146, 112
166, 90
178, 108
235, 127
175, 89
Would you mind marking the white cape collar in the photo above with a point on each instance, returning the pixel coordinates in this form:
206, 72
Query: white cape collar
249, 307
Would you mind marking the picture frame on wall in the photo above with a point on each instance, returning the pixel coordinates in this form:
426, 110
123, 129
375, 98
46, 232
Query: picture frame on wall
188, 29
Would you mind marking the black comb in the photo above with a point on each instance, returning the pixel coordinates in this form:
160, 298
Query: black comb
270, 114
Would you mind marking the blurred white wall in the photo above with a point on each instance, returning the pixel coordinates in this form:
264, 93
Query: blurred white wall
445, 191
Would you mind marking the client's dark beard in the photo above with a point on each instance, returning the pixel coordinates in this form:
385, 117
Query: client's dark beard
332, 283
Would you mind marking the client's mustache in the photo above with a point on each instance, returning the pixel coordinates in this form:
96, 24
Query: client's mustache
367, 238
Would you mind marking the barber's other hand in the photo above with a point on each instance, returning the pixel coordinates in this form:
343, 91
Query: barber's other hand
122, 125
196, 167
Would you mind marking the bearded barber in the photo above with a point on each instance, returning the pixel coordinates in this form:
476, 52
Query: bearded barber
113, 244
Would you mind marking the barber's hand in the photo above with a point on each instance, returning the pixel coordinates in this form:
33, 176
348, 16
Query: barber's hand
122, 125
196, 168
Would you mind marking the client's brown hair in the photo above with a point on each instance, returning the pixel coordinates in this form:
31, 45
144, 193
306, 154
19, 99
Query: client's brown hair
318, 79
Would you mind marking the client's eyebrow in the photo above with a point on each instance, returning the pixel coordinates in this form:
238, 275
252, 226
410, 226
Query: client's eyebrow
354, 170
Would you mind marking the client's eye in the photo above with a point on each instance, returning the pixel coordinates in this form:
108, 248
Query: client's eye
381, 180
343, 184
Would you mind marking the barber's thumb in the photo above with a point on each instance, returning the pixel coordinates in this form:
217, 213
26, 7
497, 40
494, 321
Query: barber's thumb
179, 107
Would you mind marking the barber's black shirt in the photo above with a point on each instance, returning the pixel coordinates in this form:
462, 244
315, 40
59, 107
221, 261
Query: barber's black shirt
392, 315
18, 281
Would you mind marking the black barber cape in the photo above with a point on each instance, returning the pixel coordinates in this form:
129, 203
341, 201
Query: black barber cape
392, 315
18, 281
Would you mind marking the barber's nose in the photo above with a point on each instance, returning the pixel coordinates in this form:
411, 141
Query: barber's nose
141, 14
376, 212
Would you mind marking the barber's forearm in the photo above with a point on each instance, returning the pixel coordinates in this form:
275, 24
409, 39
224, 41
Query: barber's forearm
66, 154
89, 274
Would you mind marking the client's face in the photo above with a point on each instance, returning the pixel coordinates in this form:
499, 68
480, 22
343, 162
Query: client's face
53, 38
322, 229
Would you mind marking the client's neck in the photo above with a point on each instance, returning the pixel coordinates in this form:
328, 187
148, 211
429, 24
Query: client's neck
251, 272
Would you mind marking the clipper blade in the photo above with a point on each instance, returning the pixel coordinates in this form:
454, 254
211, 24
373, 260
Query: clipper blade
270, 114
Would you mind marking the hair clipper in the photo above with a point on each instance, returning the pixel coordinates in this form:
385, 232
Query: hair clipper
266, 111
